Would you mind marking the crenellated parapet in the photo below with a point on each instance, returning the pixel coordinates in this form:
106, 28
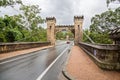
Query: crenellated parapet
78, 18
50, 19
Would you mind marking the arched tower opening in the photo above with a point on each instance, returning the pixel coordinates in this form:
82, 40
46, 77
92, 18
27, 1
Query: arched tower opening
64, 32
76, 29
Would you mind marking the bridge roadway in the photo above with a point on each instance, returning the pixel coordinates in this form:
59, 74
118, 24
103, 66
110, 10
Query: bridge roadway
33, 66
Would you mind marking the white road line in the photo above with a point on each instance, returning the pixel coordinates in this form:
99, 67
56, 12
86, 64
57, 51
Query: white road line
46, 70
17, 58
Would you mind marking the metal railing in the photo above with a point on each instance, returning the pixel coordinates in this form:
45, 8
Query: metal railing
106, 56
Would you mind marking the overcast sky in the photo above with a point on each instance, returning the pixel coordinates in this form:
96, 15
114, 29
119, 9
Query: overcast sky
65, 10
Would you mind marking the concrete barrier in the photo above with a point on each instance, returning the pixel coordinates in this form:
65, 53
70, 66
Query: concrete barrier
8, 47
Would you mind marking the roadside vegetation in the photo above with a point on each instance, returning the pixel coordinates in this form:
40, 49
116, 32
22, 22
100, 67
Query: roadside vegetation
102, 24
62, 35
24, 27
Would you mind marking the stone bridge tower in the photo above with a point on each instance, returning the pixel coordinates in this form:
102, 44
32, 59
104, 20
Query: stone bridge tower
51, 21
78, 20
76, 29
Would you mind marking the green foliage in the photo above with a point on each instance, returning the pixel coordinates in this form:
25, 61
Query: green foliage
9, 2
85, 38
62, 35
106, 21
70, 34
102, 24
22, 27
9, 36
31, 16
100, 38
31, 20
109, 1
34, 36
9, 29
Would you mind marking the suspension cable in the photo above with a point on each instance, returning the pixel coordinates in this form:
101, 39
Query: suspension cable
88, 37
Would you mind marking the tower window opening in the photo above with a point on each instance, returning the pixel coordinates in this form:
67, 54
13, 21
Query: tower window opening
50, 27
78, 27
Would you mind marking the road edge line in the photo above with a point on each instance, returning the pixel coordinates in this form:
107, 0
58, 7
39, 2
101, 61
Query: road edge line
47, 69
24, 56
64, 71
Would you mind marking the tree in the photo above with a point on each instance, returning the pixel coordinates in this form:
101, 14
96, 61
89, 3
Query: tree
31, 21
9, 29
60, 35
9, 2
106, 21
102, 24
22, 27
31, 16
110, 1
85, 38
7, 23
100, 38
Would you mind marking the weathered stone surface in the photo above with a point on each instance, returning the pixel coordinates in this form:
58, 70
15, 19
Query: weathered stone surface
8, 47
76, 29
105, 56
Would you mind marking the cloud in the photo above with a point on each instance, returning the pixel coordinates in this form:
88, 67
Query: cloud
89, 9
64, 10
7, 11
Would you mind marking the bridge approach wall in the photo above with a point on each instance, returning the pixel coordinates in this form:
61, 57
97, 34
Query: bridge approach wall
106, 56
9, 47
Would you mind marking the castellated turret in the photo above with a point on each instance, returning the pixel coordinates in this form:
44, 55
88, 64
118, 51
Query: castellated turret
78, 21
51, 22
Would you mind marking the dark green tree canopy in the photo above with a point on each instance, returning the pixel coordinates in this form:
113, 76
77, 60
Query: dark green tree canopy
101, 25
24, 26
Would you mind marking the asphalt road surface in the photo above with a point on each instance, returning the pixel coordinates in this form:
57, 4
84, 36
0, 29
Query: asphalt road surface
33, 66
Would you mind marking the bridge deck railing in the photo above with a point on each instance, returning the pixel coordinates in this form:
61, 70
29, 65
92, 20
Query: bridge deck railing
105, 55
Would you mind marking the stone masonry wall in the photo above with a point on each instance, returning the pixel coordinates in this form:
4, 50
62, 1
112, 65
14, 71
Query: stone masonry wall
9, 47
